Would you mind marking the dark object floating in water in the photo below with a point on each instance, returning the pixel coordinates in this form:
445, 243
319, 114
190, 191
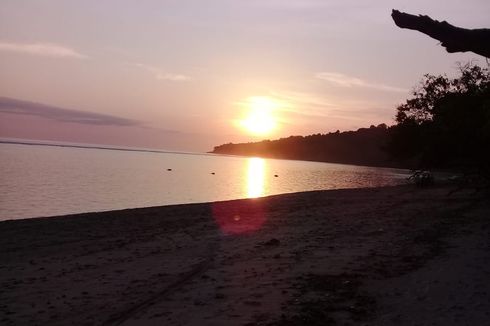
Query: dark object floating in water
275, 175
169, 169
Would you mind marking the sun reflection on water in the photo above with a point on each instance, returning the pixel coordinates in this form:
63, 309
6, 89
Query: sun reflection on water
255, 177
244, 216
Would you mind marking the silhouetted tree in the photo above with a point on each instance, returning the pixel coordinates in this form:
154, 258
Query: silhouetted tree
446, 123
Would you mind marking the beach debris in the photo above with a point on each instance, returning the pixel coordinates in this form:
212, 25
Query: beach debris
169, 169
276, 175
271, 242
252, 303
474, 180
213, 173
219, 296
422, 178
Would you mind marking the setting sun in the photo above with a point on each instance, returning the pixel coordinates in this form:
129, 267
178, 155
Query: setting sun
259, 119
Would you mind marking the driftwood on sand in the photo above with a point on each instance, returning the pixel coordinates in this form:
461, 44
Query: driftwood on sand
453, 38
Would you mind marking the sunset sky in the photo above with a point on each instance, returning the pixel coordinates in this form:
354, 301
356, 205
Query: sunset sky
189, 75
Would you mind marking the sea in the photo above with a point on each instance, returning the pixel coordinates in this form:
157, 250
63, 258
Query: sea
50, 179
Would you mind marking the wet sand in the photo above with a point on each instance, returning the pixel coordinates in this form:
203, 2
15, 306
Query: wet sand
380, 256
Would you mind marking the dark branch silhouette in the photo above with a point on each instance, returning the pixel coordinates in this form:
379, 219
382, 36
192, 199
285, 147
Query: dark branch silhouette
454, 39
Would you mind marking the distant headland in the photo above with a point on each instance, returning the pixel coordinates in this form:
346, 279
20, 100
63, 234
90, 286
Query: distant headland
365, 146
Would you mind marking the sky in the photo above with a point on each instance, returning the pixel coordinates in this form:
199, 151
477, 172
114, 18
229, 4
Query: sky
188, 74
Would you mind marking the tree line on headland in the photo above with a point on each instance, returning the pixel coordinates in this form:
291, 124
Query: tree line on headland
361, 147
445, 124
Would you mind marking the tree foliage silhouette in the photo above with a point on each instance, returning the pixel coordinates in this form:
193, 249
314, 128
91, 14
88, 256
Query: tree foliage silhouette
446, 123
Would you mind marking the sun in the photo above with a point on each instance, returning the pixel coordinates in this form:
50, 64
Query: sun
259, 119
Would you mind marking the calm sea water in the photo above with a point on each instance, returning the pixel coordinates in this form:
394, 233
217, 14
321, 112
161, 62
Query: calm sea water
38, 180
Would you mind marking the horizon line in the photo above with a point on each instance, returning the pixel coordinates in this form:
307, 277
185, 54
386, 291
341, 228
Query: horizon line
44, 142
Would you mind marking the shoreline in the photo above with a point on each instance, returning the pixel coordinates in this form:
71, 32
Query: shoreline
319, 257
71, 215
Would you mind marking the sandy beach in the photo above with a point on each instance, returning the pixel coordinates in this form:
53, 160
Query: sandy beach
379, 256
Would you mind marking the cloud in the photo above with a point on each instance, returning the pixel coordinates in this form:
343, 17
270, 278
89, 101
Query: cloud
157, 72
304, 98
14, 106
313, 108
292, 4
173, 77
348, 81
41, 49
304, 104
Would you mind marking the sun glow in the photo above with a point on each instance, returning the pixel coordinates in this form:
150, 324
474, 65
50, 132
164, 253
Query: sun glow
260, 119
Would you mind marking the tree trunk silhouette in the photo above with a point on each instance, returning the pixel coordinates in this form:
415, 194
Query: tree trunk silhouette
453, 38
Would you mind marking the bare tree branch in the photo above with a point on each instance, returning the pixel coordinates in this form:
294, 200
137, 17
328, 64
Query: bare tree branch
453, 38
